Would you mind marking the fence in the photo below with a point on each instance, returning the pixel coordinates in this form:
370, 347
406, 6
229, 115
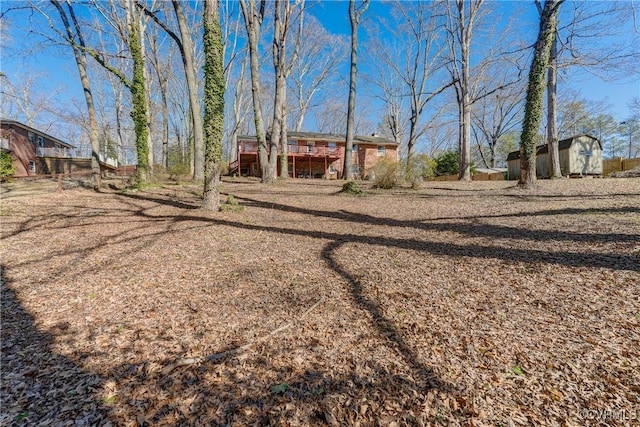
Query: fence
619, 164
476, 177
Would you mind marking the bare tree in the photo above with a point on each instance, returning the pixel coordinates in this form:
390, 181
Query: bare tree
283, 16
495, 116
129, 28
597, 38
239, 107
460, 25
162, 67
535, 92
75, 38
319, 54
253, 20
552, 128
355, 13
186, 47
408, 67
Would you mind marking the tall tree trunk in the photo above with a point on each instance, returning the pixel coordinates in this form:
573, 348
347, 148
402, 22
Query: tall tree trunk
118, 113
354, 17
163, 80
139, 101
278, 129
213, 104
535, 93
165, 129
81, 62
186, 51
253, 21
552, 108
492, 148
284, 148
147, 98
464, 167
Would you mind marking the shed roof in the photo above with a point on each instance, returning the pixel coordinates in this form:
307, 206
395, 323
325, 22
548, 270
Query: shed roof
330, 137
564, 144
34, 130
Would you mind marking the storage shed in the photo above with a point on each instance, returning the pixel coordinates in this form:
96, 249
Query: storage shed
579, 155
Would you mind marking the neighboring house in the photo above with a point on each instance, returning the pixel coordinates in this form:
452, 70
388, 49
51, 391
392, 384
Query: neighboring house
37, 153
317, 155
579, 155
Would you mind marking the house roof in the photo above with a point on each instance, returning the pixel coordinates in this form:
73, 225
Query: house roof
564, 144
36, 131
330, 137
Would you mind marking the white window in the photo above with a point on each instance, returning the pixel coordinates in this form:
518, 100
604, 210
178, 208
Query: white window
332, 168
32, 166
355, 148
40, 142
31, 137
382, 151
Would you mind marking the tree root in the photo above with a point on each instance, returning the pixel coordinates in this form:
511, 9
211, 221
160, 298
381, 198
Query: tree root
217, 357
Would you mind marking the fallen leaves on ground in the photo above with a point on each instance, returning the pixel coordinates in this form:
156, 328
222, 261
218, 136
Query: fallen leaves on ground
459, 304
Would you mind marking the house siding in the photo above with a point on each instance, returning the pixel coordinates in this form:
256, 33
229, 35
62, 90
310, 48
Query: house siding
24, 151
322, 157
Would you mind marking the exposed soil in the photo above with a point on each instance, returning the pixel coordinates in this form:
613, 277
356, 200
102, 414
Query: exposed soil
457, 304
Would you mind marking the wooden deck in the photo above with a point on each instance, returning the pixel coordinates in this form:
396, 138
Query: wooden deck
305, 161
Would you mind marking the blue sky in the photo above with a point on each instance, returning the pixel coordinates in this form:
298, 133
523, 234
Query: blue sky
56, 68
617, 94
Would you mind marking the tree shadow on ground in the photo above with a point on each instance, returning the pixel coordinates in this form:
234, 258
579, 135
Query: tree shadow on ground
39, 385
267, 388
471, 229
235, 392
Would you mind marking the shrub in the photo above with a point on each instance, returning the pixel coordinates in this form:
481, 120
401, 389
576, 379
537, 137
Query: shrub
6, 166
447, 163
231, 205
386, 174
350, 187
179, 170
417, 168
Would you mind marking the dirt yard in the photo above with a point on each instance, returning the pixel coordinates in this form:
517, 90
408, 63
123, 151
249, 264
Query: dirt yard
458, 304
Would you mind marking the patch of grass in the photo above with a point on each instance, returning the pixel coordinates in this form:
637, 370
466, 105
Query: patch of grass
21, 416
351, 187
279, 388
231, 205
109, 400
517, 370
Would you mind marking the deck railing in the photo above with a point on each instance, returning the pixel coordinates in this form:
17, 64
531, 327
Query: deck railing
297, 150
53, 152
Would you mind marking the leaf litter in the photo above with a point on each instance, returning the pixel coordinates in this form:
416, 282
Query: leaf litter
457, 304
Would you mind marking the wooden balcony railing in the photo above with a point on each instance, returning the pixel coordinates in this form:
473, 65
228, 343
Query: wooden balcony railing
53, 152
297, 150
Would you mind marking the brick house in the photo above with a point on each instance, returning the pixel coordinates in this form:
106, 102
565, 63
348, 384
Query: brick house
36, 153
317, 155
